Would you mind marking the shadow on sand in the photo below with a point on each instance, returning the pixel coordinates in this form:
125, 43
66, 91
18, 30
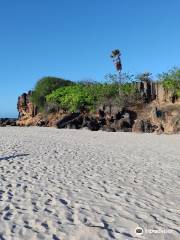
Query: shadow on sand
13, 156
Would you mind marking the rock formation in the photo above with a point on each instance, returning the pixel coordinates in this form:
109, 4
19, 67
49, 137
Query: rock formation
159, 112
7, 122
25, 107
154, 91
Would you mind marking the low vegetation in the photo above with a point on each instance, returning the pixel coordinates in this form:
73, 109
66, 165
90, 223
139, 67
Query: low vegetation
53, 94
80, 96
171, 81
44, 87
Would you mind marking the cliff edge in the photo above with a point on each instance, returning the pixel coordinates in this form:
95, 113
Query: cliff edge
159, 112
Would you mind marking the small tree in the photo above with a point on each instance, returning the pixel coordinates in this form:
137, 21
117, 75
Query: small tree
111, 78
44, 87
146, 76
171, 81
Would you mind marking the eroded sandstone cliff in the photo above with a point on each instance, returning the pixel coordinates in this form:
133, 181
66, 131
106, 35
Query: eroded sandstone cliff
160, 112
25, 106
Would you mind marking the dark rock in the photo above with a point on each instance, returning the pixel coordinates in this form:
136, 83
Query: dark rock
147, 90
85, 122
66, 120
101, 114
102, 118
75, 123
111, 119
129, 115
102, 122
93, 125
82, 109
118, 115
157, 113
3, 125
7, 122
13, 124
121, 125
42, 123
108, 129
126, 118
148, 127
71, 126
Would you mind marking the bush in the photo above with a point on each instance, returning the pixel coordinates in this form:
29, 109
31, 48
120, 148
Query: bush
80, 96
44, 87
51, 108
129, 95
171, 81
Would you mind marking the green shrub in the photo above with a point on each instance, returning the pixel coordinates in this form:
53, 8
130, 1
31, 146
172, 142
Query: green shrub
128, 88
72, 98
129, 95
44, 87
171, 81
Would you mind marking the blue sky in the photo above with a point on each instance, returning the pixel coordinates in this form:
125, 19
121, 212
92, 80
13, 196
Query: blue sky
74, 38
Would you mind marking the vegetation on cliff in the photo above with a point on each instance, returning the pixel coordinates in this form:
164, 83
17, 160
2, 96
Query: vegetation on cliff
79, 96
52, 94
44, 87
90, 96
171, 81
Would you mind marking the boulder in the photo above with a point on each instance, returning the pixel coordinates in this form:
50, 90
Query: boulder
93, 125
3, 124
108, 129
121, 125
67, 119
7, 122
129, 115
85, 122
42, 123
102, 122
75, 123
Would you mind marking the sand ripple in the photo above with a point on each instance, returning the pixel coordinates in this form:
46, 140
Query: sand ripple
82, 185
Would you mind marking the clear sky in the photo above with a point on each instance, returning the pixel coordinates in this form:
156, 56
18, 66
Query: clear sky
73, 39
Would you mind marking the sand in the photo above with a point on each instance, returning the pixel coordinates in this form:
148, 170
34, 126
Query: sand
82, 185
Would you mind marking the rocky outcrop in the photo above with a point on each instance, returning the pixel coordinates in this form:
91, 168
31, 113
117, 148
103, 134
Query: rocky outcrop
166, 117
28, 113
145, 126
156, 114
7, 122
122, 121
25, 106
72, 120
154, 91
150, 91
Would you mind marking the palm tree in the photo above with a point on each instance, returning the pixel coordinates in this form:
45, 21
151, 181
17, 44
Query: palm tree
117, 61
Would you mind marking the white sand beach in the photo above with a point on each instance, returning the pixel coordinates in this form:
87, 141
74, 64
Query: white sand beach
82, 185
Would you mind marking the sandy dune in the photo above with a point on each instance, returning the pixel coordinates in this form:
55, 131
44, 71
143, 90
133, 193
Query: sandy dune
82, 185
